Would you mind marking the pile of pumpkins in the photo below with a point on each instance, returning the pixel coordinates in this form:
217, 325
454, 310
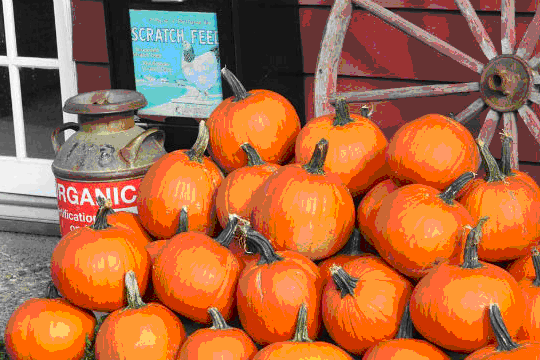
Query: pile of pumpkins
391, 249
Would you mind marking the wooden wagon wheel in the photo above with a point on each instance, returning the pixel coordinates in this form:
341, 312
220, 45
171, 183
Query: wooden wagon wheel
506, 85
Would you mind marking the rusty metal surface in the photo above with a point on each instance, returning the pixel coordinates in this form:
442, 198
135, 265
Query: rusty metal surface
105, 102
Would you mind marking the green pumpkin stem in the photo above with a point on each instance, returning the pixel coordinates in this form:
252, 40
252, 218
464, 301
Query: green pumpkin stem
132, 291
343, 116
316, 164
227, 235
353, 244
449, 194
504, 340
406, 327
238, 89
536, 263
493, 173
470, 255
101, 216
253, 156
301, 333
196, 153
344, 282
183, 223
256, 241
506, 155
218, 322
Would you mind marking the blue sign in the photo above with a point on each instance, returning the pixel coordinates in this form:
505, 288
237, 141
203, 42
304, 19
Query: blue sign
176, 60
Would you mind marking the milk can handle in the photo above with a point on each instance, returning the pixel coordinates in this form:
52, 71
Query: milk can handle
129, 152
69, 125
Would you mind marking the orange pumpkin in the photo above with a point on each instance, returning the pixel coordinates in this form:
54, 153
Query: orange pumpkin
506, 164
180, 178
264, 118
531, 292
522, 268
127, 220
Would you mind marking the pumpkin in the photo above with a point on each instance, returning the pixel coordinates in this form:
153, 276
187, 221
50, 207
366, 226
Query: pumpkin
506, 348
88, 265
180, 178
404, 346
416, 153
301, 346
271, 290
264, 118
522, 268
126, 220
506, 163
194, 272
449, 305
513, 207
416, 227
235, 192
363, 293
531, 292
305, 208
219, 341
357, 150
139, 331
41, 327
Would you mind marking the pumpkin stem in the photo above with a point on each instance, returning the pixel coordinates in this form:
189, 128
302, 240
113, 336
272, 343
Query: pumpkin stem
504, 340
132, 291
315, 165
470, 255
196, 153
506, 163
52, 291
238, 89
253, 156
101, 216
226, 236
449, 194
301, 333
536, 264
353, 245
344, 282
406, 327
218, 322
183, 224
261, 245
493, 173
343, 116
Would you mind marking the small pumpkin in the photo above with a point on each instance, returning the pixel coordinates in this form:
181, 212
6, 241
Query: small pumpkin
139, 331
264, 118
127, 220
523, 268
230, 343
531, 292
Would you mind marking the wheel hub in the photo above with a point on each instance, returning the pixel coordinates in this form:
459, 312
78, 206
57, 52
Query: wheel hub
506, 83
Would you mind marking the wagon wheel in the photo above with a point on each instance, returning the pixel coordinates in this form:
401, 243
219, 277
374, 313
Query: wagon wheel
506, 83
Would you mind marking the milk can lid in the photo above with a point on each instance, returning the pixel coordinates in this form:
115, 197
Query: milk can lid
105, 102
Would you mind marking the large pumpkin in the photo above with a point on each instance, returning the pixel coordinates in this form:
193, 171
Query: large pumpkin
264, 118
432, 150
531, 292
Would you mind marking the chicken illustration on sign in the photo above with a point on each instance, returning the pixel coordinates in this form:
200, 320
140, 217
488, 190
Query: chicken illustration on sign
201, 71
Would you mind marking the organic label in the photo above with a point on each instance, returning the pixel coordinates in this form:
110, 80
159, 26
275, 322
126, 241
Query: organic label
77, 201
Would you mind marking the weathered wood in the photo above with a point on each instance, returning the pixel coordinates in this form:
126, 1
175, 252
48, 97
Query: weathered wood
534, 61
536, 77
406, 92
328, 59
508, 26
531, 120
529, 40
471, 111
535, 97
420, 34
477, 29
489, 126
510, 126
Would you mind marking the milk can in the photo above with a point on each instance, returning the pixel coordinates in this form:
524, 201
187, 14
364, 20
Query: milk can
107, 156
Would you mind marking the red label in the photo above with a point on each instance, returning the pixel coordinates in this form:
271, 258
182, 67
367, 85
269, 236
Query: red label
77, 201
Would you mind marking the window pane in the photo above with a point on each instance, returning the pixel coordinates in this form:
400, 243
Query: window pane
42, 109
7, 134
2, 33
34, 28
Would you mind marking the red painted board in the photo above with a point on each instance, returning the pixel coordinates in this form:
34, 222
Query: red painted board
374, 48
485, 5
89, 34
390, 115
92, 77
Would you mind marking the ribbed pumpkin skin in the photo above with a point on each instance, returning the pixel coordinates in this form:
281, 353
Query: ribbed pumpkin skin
338, 260
223, 344
405, 349
526, 351
265, 119
41, 327
175, 181
290, 350
522, 268
531, 321
416, 153
132, 222
357, 150
308, 213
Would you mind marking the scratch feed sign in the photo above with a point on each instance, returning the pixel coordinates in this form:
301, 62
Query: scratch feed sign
176, 61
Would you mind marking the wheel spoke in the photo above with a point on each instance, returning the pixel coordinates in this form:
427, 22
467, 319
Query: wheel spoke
536, 77
535, 97
530, 38
531, 120
534, 61
406, 92
508, 28
471, 111
510, 126
477, 28
420, 34
490, 125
